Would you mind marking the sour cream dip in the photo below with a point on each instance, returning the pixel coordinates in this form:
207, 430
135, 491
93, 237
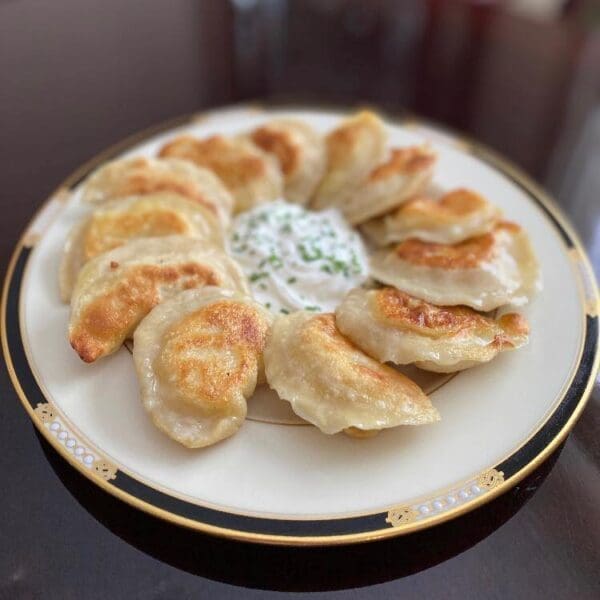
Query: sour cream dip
298, 259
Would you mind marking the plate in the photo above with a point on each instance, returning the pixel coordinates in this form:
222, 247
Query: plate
277, 480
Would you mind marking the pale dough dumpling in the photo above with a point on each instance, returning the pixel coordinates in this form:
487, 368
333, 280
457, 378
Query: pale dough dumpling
117, 289
331, 383
392, 326
353, 149
484, 272
252, 176
455, 217
406, 172
140, 175
197, 358
117, 222
300, 151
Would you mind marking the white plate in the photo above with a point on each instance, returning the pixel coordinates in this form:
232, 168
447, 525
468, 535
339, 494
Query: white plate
285, 483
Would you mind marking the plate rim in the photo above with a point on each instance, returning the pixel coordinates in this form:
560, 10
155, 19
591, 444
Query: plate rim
388, 527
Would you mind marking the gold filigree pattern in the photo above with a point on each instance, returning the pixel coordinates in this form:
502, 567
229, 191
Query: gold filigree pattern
48, 415
105, 469
401, 516
44, 412
490, 479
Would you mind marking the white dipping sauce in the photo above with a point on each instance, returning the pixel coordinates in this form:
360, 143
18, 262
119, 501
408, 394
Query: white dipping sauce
296, 258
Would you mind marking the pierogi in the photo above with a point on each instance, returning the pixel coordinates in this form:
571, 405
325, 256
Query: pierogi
483, 272
405, 173
251, 175
300, 152
117, 289
456, 216
141, 175
117, 222
198, 356
152, 262
392, 326
353, 149
334, 385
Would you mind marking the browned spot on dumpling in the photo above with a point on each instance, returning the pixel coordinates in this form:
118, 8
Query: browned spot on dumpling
353, 363
107, 231
212, 353
352, 133
455, 204
234, 163
407, 312
392, 326
333, 384
402, 311
465, 255
462, 202
407, 161
512, 326
281, 144
111, 318
143, 179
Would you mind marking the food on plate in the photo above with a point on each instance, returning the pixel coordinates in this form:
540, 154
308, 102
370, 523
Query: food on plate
140, 175
198, 356
117, 289
117, 222
286, 293
392, 326
405, 173
331, 383
297, 258
484, 272
455, 217
300, 151
251, 175
353, 149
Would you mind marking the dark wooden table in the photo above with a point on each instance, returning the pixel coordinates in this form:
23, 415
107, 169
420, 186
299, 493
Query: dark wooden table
76, 76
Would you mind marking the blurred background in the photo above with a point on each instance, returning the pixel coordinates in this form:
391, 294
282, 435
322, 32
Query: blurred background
522, 76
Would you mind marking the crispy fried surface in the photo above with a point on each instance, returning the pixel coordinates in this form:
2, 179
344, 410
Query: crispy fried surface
332, 383
109, 230
407, 161
198, 356
212, 353
393, 326
143, 176
108, 319
465, 255
252, 176
234, 163
279, 141
353, 149
396, 309
453, 206
405, 312
116, 289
